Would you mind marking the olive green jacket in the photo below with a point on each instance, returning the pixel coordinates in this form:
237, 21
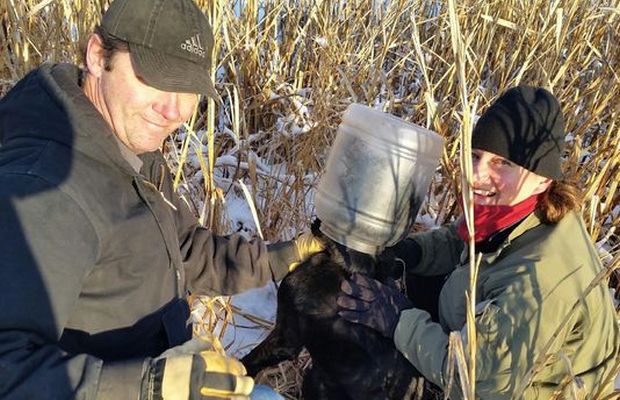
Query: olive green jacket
529, 296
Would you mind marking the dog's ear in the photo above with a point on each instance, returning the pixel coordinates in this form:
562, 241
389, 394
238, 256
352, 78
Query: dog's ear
328, 244
315, 228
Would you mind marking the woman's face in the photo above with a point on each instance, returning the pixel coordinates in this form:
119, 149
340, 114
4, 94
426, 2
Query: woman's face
498, 181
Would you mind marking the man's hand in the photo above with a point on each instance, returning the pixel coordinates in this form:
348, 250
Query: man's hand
369, 302
306, 245
206, 375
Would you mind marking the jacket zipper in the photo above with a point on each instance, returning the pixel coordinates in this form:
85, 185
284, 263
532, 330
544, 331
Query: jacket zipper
177, 274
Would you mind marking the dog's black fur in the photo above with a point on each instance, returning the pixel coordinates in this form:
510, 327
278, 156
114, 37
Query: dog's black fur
349, 361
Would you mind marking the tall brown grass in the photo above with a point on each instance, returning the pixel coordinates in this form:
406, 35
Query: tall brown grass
287, 69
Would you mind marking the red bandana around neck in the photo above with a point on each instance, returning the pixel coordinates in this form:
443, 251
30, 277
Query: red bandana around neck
489, 219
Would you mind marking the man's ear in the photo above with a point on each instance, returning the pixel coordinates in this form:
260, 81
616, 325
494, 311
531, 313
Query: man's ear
95, 59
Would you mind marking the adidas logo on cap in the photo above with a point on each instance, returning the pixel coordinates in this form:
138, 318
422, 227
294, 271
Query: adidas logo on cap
194, 46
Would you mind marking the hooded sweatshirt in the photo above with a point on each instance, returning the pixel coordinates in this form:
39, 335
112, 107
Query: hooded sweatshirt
96, 257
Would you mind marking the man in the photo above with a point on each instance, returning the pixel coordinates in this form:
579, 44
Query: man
97, 251
539, 329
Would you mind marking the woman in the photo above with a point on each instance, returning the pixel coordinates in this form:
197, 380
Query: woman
537, 261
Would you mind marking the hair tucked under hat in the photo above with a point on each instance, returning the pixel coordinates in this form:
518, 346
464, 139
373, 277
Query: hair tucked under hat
524, 125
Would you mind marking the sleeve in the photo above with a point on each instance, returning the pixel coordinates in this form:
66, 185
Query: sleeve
503, 347
439, 251
219, 265
422, 342
225, 265
47, 246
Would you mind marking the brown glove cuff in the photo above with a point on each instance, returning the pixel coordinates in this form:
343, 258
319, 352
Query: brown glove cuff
122, 379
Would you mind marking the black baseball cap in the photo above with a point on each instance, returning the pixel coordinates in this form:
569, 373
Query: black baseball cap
170, 42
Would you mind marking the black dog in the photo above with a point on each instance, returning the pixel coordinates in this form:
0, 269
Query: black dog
349, 361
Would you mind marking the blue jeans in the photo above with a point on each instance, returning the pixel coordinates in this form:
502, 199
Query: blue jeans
262, 392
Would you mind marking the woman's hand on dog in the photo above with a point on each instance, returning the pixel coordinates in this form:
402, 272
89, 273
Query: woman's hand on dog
366, 301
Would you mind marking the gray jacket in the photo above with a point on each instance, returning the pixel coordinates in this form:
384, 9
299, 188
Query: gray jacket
96, 258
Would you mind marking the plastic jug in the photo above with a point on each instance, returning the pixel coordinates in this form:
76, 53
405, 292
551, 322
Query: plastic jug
377, 174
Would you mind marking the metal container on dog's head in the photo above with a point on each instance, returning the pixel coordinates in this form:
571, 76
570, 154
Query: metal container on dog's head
377, 175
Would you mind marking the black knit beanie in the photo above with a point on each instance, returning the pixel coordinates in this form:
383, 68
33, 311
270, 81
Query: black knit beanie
524, 125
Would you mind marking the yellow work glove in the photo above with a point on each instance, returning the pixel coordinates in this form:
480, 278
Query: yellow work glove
207, 375
306, 244
222, 377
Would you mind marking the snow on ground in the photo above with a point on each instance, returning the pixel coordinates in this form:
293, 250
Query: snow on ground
243, 334
261, 302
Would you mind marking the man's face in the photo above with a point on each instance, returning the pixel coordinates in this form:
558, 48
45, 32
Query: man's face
498, 181
140, 115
